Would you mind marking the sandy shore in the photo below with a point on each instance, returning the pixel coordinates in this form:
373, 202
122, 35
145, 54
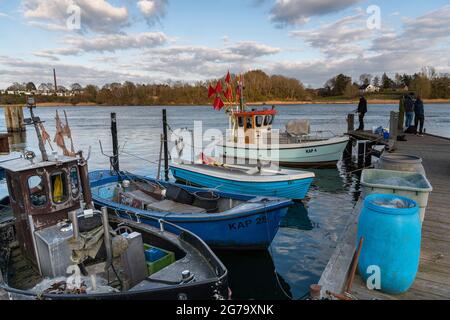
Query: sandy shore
268, 103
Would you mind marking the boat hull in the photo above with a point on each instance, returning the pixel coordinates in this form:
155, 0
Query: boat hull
290, 189
252, 227
309, 154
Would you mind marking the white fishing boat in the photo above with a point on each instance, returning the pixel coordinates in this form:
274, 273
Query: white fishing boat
251, 137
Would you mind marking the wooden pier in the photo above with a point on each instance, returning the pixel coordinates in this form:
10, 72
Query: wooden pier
433, 278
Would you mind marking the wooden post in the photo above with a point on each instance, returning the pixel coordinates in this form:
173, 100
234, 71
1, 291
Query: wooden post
14, 118
166, 147
401, 113
115, 158
350, 122
393, 130
361, 153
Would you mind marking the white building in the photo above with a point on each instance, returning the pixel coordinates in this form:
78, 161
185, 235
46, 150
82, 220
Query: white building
369, 88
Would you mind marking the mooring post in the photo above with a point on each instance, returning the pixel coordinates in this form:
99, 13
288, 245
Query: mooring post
166, 148
393, 130
115, 142
350, 122
361, 153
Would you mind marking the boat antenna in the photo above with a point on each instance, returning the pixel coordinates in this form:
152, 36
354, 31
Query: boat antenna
31, 104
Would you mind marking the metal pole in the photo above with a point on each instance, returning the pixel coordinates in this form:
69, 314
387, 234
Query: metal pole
166, 148
115, 142
107, 238
39, 136
158, 176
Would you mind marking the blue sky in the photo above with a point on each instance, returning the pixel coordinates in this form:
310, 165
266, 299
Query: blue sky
179, 40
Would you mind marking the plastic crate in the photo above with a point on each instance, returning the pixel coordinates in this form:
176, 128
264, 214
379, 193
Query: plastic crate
411, 185
157, 258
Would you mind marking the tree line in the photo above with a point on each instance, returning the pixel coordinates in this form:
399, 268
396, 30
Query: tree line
258, 87
427, 83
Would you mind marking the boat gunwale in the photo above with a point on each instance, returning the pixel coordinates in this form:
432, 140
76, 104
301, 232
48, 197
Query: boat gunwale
243, 177
287, 146
263, 208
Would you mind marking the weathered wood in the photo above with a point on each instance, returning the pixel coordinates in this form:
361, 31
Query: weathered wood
334, 277
350, 122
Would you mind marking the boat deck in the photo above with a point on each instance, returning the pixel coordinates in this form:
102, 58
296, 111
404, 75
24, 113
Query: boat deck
433, 278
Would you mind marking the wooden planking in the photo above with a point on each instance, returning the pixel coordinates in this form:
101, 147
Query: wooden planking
334, 277
433, 278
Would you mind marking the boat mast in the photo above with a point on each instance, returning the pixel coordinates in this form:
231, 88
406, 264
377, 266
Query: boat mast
241, 90
35, 121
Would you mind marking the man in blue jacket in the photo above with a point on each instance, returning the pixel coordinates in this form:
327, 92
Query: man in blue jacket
420, 116
409, 111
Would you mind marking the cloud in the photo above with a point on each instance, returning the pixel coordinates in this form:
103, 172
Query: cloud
292, 12
252, 49
153, 10
67, 73
420, 34
107, 43
339, 38
202, 62
96, 15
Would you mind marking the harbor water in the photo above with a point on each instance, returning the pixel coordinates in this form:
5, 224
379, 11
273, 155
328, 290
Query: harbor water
308, 234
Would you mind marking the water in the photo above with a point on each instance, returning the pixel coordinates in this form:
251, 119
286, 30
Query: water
310, 231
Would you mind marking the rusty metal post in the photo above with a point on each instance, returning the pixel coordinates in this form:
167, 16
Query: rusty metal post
115, 142
84, 178
348, 287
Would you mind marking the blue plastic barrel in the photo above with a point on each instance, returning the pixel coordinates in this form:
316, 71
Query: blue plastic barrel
391, 247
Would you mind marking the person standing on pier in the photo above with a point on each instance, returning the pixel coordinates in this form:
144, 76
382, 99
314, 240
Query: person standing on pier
419, 116
409, 111
362, 110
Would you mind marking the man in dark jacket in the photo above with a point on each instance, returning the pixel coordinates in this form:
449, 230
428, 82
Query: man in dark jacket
420, 116
362, 110
409, 111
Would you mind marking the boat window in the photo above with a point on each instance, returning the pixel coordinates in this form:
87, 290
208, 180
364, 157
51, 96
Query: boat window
36, 189
59, 187
249, 123
269, 120
259, 121
241, 121
74, 182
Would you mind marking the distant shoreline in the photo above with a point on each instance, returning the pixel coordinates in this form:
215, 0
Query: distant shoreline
268, 103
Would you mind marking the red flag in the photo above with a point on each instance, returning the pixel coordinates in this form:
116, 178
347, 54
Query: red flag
228, 93
228, 78
218, 87
218, 103
211, 91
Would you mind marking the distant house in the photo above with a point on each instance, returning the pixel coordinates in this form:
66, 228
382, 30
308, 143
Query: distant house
369, 88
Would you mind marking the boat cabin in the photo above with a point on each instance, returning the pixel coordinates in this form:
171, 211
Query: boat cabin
251, 123
42, 193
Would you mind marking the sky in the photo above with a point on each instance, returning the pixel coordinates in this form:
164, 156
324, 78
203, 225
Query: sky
159, 41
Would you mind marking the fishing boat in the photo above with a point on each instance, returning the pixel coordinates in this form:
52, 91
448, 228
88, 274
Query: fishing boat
253, 138
258, 180
55, 245
223, 220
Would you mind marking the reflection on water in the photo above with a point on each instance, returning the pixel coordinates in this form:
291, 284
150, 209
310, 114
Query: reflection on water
18, 141
253, 276
308, 234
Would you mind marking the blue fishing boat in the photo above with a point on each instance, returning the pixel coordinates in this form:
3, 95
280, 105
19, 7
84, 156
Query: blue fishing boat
246, 180
223, 220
